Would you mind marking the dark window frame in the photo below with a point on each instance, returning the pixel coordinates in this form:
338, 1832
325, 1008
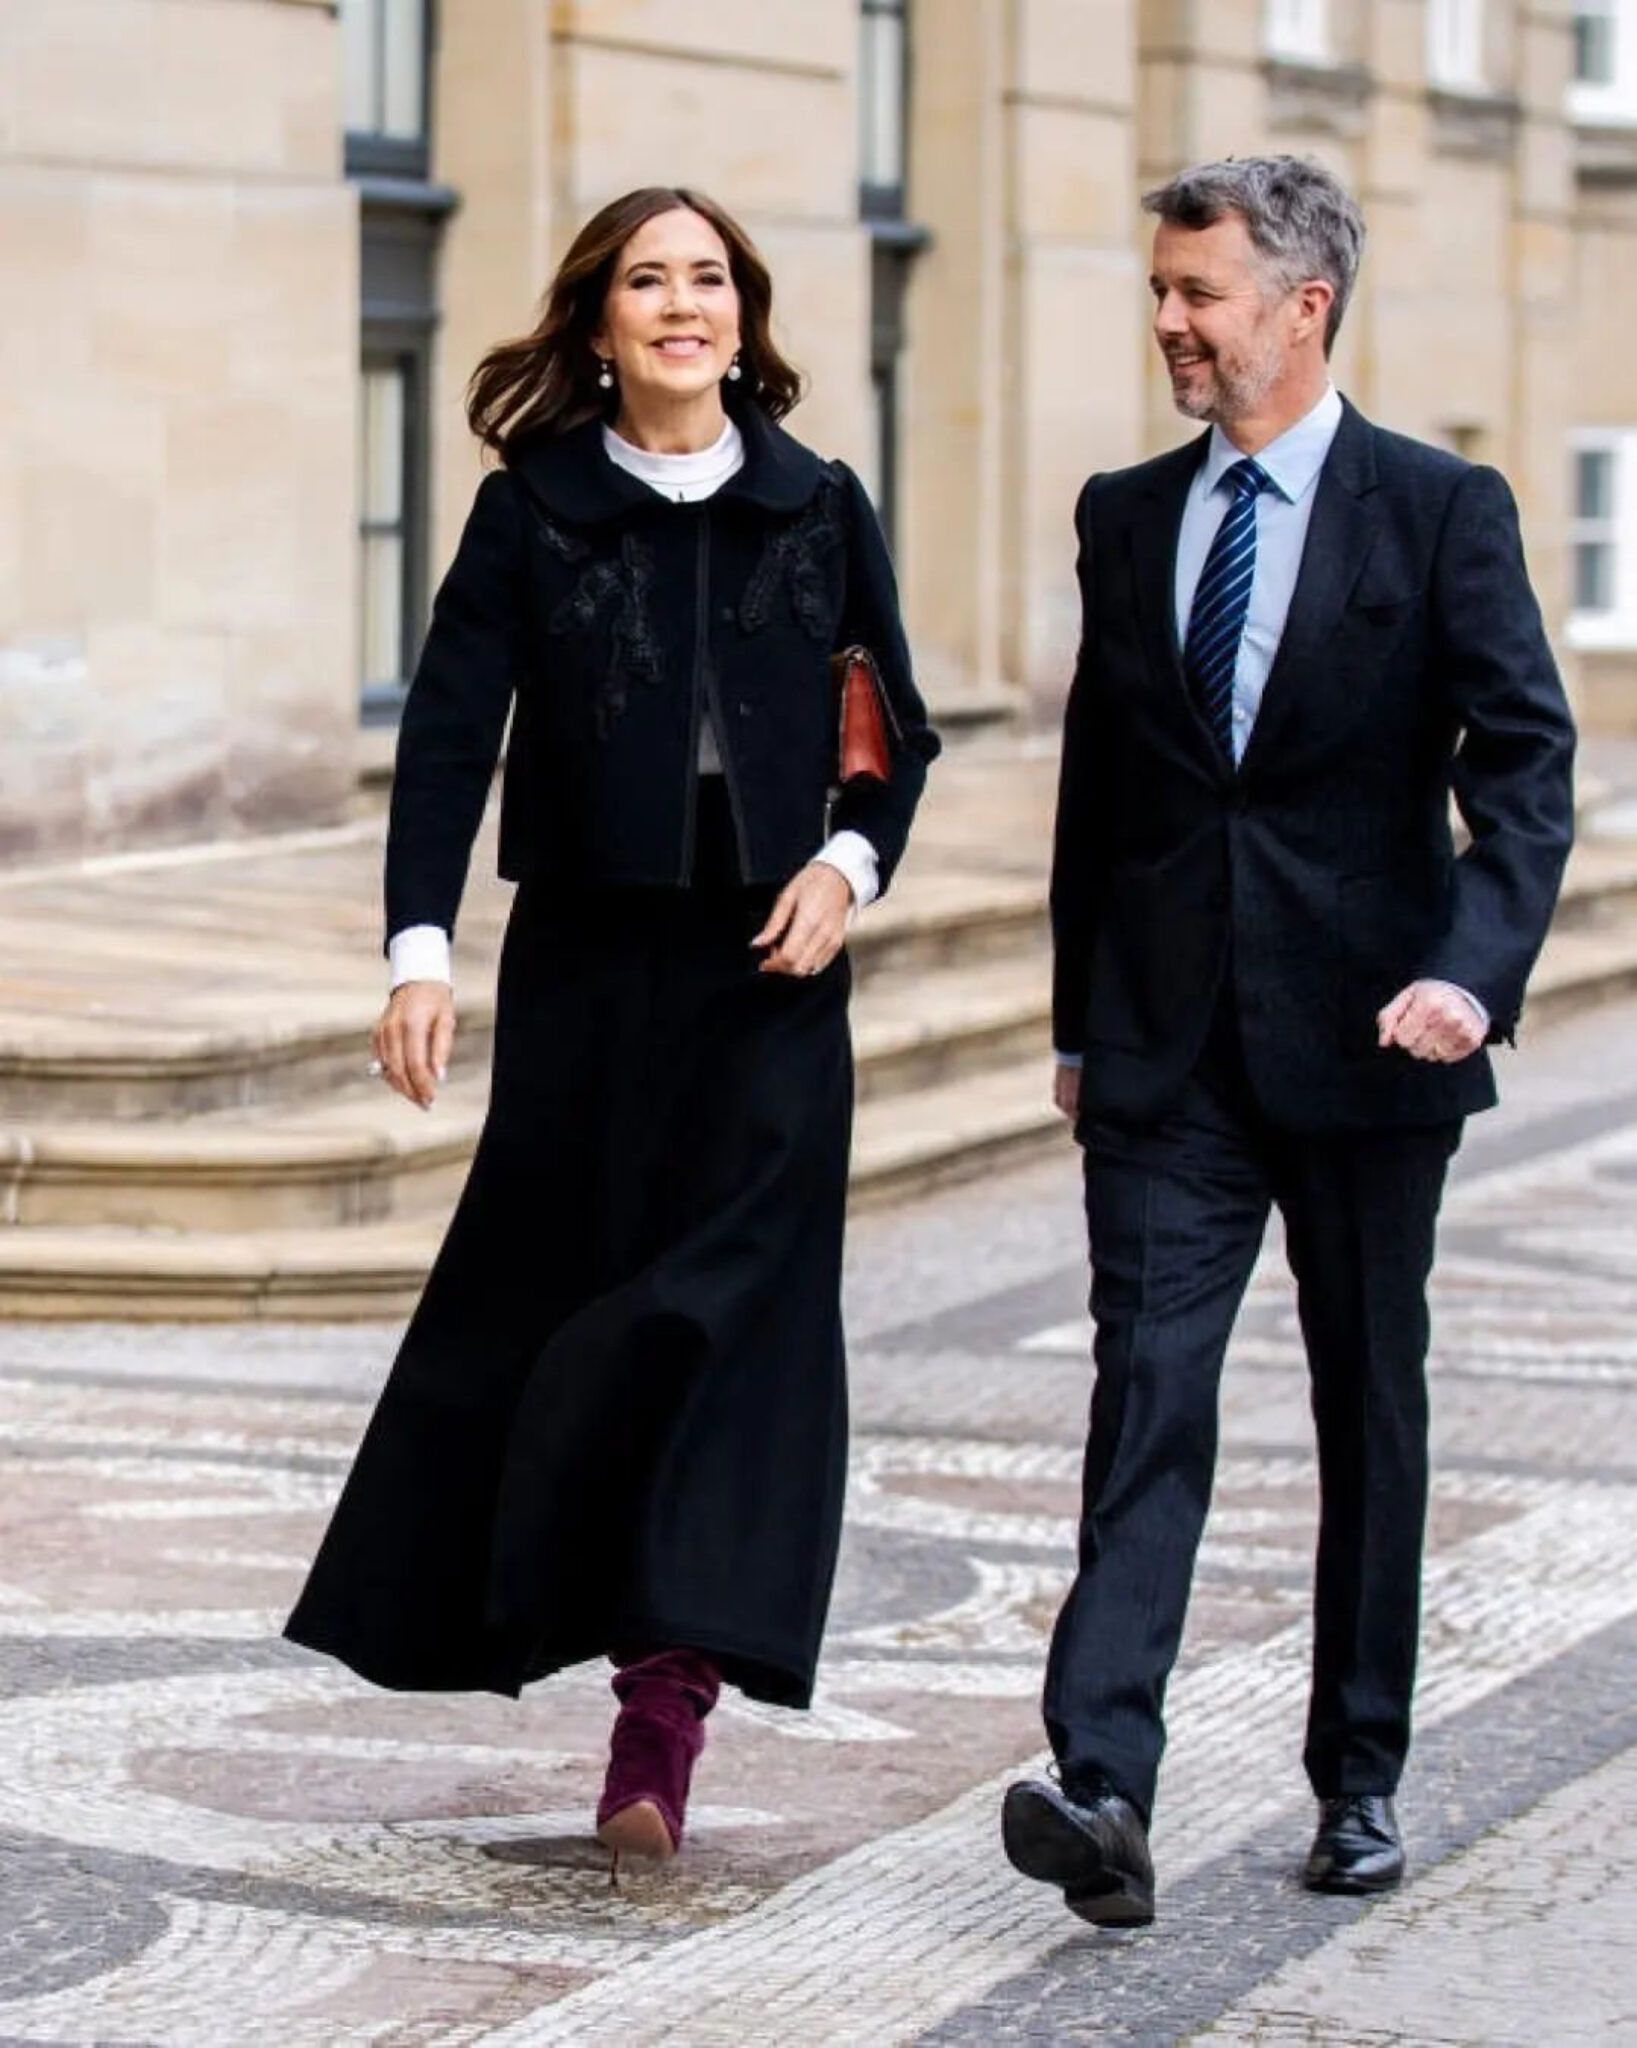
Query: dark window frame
895, 241
404, 346
878, 201
401, 216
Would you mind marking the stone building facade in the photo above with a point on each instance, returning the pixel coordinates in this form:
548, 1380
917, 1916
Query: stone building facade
178, 369
250, 250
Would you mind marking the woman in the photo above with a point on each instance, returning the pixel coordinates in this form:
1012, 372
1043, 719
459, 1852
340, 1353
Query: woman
617, 1424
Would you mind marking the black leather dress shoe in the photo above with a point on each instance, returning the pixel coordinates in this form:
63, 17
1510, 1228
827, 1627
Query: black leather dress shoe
1094, 1845
1358, 1847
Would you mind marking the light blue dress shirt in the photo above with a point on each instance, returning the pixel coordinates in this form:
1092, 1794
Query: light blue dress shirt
1283, 514
1292, 463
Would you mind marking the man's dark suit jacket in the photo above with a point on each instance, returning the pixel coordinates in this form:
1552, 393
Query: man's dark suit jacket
1311, 884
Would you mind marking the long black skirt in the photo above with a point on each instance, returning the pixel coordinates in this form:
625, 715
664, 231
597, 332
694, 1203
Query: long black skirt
618, 1417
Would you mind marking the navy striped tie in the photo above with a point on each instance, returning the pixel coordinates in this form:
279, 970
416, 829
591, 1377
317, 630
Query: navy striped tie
1216, 623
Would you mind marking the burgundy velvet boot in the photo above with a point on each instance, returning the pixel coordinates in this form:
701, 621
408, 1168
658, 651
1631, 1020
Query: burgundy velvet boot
658, 1735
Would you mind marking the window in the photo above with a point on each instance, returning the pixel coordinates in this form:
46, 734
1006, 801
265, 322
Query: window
882, 106
1605, 61
1298, 31
390, 465
1603, 537
1455, 45
386, 48
385, 58
883, 120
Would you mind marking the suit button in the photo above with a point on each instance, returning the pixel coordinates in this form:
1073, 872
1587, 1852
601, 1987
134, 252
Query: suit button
726, 615
744, 708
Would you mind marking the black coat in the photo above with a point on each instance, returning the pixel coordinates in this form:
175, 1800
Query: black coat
1321, 876
607, 620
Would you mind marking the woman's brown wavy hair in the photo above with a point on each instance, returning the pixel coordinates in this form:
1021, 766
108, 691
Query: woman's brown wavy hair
546, 382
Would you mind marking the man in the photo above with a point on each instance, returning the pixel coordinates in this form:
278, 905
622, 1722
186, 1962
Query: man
1274, 981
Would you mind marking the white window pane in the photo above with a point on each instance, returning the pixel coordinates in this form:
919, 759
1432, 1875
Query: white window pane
881, 98
382, 609
1604, 539
1298, 29
1593, 576
403, 98
358, 63
381, 479
1455, 36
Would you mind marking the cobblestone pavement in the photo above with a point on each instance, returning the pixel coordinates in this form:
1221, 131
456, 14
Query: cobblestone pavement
208, 1837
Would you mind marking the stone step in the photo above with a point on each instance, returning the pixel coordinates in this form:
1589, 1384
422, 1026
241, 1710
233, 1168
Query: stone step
906, 1139
357, 1159
1581, 966
901, 1142
130, 1275
927, 1137
1600, 886
291, 1036
364, 1156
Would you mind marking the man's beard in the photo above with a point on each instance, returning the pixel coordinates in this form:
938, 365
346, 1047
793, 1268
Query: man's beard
1233, 392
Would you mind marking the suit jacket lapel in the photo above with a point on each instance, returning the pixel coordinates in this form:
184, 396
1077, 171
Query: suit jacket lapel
1339, 536
1154, 534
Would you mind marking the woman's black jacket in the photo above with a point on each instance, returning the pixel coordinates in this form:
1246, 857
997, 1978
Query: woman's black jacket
608, 619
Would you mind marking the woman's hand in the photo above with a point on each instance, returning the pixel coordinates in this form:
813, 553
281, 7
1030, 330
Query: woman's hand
414, 1037
807, 926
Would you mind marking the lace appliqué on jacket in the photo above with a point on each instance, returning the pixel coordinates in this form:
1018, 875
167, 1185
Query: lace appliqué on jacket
797, 560
612, 595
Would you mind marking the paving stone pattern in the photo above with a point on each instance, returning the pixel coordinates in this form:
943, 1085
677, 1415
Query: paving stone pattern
207, 1836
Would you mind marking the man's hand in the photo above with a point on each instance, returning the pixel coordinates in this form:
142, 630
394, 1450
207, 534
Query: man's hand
414, 1037
807, 926
1066, 1089
1431, 1021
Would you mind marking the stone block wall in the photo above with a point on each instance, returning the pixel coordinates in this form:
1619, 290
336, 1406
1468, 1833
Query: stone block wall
177, 454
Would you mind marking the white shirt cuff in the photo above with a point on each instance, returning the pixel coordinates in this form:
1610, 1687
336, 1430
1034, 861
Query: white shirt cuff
420, 952
1070, 1059
1468, 997
854, 858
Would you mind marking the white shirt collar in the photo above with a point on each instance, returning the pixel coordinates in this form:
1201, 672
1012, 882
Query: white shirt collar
714, 464
1294, 460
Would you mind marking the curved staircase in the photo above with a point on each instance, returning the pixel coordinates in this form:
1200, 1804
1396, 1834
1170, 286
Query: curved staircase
187, 1128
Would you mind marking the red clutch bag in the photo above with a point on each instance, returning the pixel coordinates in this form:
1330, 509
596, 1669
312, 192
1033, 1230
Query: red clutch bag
867, 728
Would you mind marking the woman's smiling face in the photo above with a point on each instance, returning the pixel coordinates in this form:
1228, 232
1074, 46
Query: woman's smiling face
670, 322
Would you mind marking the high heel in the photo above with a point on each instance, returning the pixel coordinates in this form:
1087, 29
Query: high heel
657, 1738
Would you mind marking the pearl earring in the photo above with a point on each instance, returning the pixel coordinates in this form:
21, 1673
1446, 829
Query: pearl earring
605, 376
734, 371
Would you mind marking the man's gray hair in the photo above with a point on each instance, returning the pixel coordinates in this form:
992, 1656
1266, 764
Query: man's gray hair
1297, 214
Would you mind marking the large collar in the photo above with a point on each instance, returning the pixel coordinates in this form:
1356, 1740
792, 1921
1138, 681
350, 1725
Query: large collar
573, 478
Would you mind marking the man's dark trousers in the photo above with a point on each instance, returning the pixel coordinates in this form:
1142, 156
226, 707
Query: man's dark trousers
1176, 1210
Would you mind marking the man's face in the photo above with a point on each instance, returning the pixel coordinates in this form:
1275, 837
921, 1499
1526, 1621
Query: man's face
1222, 322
